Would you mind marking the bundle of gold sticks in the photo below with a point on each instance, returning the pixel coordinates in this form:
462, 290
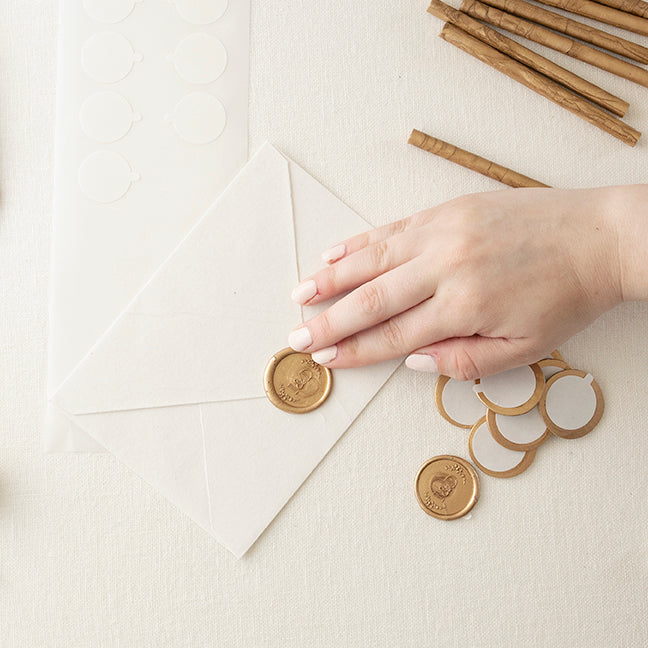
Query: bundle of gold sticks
466, 30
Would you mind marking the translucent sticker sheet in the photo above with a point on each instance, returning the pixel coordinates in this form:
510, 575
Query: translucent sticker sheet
152, 124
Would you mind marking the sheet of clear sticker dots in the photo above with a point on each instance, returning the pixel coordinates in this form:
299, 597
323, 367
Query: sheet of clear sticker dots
510, 415
107, 116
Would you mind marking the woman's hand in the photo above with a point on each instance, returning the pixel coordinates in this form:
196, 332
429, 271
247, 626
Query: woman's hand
475, 286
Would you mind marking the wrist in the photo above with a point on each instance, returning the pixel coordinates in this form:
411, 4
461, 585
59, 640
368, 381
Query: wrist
627, 215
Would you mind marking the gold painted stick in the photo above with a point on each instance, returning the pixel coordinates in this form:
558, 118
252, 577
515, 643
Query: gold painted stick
603, 14
573, 28
555, 41
636, 7
528, 57
540, 84
471, 161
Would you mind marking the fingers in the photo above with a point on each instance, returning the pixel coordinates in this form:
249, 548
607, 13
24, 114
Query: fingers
393, 338
361, 241
372, 303
350, 272
469, 358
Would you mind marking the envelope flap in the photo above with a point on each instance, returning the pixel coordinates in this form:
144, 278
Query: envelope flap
204, 325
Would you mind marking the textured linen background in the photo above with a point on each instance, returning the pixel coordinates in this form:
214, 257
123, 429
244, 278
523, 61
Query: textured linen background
92, 556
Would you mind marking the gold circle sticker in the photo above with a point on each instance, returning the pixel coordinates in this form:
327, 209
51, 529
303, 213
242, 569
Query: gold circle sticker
494, 459
512, 392
572, 404
447, 487
295, 383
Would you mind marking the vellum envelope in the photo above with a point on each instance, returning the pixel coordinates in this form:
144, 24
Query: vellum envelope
175, 387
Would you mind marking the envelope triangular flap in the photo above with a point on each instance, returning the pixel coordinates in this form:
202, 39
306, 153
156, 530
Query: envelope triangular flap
203, 327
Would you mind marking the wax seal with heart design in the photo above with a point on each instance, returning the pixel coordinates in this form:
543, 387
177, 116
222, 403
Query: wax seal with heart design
447, 487
295, 383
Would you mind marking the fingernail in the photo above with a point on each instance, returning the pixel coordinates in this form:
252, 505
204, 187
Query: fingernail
334, 253
300, 339
421, 362
305, 291
328, 354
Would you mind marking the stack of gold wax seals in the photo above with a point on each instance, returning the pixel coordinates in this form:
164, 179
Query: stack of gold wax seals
295, 383
510, 415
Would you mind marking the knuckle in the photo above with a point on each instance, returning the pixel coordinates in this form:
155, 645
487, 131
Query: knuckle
322, 327
327, 281
361, 241
393, 337
422, 217
380, 256
371, 300
465, 367
349, 349
398, 227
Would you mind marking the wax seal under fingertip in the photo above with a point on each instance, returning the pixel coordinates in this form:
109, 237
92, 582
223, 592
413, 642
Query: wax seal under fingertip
295, 383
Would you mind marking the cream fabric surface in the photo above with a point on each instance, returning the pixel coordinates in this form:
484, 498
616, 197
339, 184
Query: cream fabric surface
92, 556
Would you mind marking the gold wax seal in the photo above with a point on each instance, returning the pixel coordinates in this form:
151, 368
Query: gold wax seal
295, 383
447, 487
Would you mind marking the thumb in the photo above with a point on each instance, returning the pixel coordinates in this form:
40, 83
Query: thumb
468, 358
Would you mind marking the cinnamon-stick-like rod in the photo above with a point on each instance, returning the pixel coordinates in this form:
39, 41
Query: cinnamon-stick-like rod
471, 161
636, 7
573, 28
540, 84
555, 41
603, 14
529, 57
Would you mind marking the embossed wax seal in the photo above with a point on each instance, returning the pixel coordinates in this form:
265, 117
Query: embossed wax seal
295, 383
447, 487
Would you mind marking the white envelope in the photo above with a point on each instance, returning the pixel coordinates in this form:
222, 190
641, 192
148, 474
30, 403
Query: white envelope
175, 387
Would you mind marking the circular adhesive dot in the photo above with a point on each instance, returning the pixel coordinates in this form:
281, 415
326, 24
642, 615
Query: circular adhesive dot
107, 116
512, 392
108, 57
572, 404
105, 176
494, 459
199, 118
457, 402
200, 58
200, 12
523, 432
109, 11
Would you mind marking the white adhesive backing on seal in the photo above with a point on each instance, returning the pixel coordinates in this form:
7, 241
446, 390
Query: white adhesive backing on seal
109, 11
198, 118
200, 12
491, 455
522, 429
105, 176
510, 388
107, 116
108, 57
461, 403
571, 402
200, 58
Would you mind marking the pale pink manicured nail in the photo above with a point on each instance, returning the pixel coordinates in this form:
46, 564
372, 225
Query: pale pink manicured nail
334, 253
305, 291
328, 354
421, 362
300, 339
